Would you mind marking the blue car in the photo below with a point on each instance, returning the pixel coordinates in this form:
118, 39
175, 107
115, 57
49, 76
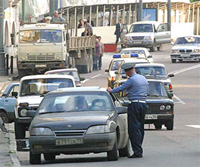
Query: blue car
8, 102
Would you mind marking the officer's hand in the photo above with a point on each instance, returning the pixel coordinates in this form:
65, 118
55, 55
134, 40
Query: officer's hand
109, 89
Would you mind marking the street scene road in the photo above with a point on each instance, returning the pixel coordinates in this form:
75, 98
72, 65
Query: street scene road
180, 147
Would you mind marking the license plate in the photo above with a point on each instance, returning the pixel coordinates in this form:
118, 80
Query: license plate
148, 116
40, 65
71, 141
137, 42
185, 55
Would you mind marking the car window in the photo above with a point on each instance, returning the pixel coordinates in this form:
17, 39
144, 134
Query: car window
163, 27
43, 86
160, 71
15, 88
187, 40
73, 102
141, 28
115, 65
72, 73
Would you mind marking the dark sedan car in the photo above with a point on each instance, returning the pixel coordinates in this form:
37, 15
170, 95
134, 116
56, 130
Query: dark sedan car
160, 107
78, 121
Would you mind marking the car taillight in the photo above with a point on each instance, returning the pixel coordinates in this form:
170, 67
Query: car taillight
170, 87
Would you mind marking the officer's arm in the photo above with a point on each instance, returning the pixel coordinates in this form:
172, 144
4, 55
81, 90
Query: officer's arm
126, 85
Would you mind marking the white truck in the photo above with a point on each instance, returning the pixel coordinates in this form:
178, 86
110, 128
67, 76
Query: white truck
44, 46
32, 89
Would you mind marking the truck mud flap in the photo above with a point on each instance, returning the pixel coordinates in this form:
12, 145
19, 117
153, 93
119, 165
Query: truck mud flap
22, 144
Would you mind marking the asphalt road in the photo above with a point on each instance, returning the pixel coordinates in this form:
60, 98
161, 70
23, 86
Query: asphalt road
177, 148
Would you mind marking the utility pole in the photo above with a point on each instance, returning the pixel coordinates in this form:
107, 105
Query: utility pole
140, 14
23, 10
53, 6
2, 54
169, 7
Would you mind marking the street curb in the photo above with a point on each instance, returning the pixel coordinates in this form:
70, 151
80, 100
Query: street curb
12, 148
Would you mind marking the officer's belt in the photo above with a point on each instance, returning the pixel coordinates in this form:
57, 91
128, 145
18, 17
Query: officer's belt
136, 101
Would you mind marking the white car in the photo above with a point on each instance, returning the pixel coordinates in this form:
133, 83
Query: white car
142, 52
186, 48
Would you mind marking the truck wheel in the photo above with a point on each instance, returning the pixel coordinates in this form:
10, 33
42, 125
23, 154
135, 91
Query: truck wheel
158, 126
20, 131
34, 158
113, 154
4, 117
125, 152
73, 63
49, 157
173, 60
170, 124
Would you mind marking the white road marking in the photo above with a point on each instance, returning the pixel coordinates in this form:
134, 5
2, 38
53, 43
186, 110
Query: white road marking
179, 100
194, 126
96, 76
185, 69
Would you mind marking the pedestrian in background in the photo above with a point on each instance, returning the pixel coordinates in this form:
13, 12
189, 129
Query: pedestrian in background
57, 19
88, 28
101, 52
118, 30
81, 24
136, 88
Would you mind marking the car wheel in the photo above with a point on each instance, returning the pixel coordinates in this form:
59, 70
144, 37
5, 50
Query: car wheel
20, 131
34, 158
173, 60
49, 157
158, 126
170, 124
125, 152
4, 117
113, 154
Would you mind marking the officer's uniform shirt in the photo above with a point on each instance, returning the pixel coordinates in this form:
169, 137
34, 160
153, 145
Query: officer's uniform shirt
136, 87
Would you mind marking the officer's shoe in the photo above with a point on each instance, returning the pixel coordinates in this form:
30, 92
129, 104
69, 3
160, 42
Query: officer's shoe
135, 156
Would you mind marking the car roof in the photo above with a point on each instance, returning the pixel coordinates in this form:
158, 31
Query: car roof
150, 65
135, 60
189, 36
61, 70
46, 76
80, 89
134, 48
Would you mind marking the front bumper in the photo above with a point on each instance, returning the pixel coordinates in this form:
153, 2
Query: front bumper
161, 118
93, 143
138, 43
185, 57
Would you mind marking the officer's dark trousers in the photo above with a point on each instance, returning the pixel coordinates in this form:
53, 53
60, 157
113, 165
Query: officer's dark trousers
136, 115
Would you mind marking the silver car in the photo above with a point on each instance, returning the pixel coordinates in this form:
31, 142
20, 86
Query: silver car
186, 48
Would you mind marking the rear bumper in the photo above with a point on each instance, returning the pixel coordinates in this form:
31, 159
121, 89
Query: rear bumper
161, 118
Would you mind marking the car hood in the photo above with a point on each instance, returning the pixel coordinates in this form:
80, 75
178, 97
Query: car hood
159, 100
185, 46
138, 34
31, 100
71, 120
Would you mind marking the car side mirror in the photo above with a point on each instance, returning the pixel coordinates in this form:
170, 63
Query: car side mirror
171, 75
121, 110
106, 70
82, 79
14, 94
150, 56
124, 76
31, 113
116, 72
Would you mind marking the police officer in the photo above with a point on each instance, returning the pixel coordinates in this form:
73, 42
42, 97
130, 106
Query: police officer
136, 87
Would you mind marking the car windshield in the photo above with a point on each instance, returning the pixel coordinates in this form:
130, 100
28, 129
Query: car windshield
115, 65
76, 102
151, 70
156, 89
41, 36
141, 28
141, 53
72, 73
187, 40
123, 71
43, 85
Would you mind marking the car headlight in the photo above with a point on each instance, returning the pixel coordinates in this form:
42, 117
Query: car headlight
162, 107
175, 51
196, 50
23, 112
148, 38
23, 58
168, 107
127, 38
41, 132
58, 57
98, 129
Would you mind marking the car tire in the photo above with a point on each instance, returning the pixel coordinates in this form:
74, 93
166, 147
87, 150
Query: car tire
4, 117
113, 154
125, 152
170, 124
173, 60
20, 131
158, 126
49, 157
34, 158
